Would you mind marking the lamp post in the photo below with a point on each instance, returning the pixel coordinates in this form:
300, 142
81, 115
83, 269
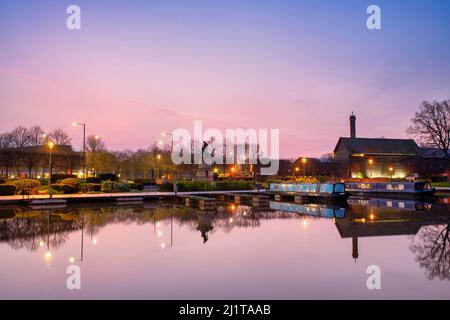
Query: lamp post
370, 168
76, 124
159, 158
304, 167
296, 170
50, 146
391, 169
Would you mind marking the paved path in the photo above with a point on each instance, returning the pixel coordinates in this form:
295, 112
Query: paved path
79, 197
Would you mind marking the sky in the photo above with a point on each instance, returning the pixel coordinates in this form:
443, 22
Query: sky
137, 68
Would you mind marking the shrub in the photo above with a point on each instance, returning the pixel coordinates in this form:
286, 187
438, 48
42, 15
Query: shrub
166, 186
194, 186
2, 181
145, 182
108, 176
7, 190
59, 176
91, 187
65, 188
234, 185
26, 186
137, 186
112, 186
74, 182
93, 180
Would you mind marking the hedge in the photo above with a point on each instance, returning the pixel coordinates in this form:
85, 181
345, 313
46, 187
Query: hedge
65, 188
112, 186
7, 190
59, 176
91, 187
93, 180
27, 186
234, 185
108, 176
207, 186
145, 182
74, 182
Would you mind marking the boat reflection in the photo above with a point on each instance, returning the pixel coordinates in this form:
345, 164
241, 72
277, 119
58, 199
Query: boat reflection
310, 209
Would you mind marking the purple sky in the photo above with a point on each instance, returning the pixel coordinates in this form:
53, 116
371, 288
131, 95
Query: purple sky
138, 68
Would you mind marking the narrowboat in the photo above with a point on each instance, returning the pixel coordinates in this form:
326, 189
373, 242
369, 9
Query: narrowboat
404, 189
311, 191
309, 209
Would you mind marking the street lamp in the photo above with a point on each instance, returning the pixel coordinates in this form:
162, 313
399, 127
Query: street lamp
370, 168
50, 146
159, 158
296, 170
391, 169
76, 124
304, 167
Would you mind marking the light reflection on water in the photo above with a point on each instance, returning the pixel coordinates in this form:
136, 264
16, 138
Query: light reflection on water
285, 250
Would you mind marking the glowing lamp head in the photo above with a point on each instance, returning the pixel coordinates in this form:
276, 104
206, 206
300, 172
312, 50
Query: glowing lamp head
51, 145
297, 169
216, 170
391, 169
304, 160
158, 156
370, 161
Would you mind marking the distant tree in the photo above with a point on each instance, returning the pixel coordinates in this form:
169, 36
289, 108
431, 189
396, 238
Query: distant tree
7, 156
95, 144
20, 137
59, 137
36, 135
431, 126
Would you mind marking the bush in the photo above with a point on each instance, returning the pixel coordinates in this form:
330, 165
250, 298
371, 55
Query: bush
112, 186
166, 186
65, 188
93, 180
194, 186
2, 181
234, 185
26, 186
145, 182
137, 186
7, 190
74, 182
91, 187
58, 176
108, 176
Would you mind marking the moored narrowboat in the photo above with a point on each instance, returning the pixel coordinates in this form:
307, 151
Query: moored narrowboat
311, 191
404, 189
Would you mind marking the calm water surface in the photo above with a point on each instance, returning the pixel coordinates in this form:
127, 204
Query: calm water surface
284, 251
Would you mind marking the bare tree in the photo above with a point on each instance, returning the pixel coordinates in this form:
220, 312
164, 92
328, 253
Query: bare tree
431, 126
60, 137
20, 137
36, 135
432, 247
95, 144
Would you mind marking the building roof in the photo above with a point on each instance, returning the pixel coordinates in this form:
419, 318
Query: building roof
379, 146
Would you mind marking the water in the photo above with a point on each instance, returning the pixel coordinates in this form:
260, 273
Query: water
287, 251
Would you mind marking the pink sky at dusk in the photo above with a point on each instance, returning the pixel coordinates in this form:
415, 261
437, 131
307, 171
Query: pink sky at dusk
132, 80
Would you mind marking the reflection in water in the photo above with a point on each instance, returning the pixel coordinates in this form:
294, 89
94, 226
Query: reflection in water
427, 224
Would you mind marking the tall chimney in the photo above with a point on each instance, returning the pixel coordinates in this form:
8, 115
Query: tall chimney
352, 126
